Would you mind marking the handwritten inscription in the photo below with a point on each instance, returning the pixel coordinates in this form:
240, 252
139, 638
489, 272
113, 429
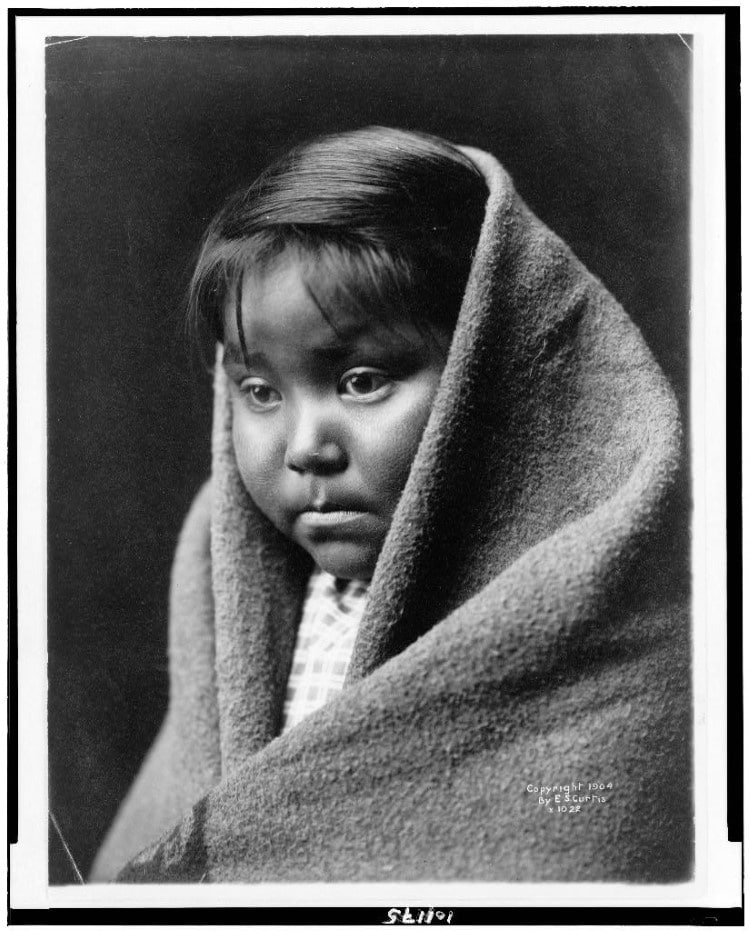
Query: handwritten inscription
405, 916
570, 797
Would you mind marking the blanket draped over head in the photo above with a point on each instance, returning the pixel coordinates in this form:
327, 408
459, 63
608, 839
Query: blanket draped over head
518, 702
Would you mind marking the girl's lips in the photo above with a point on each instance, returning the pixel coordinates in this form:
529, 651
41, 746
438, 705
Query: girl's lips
324, 519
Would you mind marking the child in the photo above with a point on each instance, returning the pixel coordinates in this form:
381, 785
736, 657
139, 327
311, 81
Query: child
424, 618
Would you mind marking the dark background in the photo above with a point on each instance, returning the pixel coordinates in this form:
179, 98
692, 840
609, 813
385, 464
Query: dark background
145, 137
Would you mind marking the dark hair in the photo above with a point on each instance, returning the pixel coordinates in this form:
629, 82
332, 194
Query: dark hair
383, 219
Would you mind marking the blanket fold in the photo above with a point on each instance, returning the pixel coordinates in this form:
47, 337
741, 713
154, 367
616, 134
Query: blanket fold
526, 631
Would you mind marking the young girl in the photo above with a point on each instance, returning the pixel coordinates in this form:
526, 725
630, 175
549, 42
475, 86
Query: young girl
425, 617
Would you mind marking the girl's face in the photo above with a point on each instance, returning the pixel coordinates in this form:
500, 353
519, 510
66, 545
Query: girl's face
326, 421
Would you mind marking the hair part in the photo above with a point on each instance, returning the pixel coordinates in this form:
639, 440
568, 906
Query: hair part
382, 220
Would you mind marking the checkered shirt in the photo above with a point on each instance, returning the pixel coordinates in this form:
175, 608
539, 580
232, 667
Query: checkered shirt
325, 639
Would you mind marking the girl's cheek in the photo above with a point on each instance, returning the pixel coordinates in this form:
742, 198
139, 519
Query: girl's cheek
396, 440
257, 450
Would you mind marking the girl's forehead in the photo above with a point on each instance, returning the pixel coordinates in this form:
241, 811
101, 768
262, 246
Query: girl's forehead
288, 301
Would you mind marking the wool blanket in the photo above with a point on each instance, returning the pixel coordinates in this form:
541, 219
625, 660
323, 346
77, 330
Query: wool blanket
518, 702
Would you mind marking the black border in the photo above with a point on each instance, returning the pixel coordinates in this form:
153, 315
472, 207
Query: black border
727, 917
735, 807
12, 668
732, 13
461, 916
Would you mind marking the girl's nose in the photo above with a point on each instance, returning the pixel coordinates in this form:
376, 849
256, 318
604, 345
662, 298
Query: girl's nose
313, 446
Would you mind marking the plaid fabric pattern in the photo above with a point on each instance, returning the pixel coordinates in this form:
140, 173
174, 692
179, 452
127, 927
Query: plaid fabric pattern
325, 639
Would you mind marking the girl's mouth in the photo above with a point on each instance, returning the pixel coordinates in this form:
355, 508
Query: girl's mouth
324, 519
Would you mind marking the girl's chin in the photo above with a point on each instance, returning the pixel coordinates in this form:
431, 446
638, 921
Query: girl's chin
344, 560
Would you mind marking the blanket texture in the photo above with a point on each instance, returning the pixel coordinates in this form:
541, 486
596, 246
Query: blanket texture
527, 628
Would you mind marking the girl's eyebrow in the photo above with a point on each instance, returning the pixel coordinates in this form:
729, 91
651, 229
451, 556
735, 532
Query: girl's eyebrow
333, 352
233, 355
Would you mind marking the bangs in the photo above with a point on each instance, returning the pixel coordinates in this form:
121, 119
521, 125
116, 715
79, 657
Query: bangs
347, 281
344, 278
219, 269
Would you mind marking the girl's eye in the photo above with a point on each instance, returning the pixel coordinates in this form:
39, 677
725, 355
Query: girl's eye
260, 394
365, 384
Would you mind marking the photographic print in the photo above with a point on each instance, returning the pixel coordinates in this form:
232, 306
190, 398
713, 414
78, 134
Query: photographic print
369, 490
